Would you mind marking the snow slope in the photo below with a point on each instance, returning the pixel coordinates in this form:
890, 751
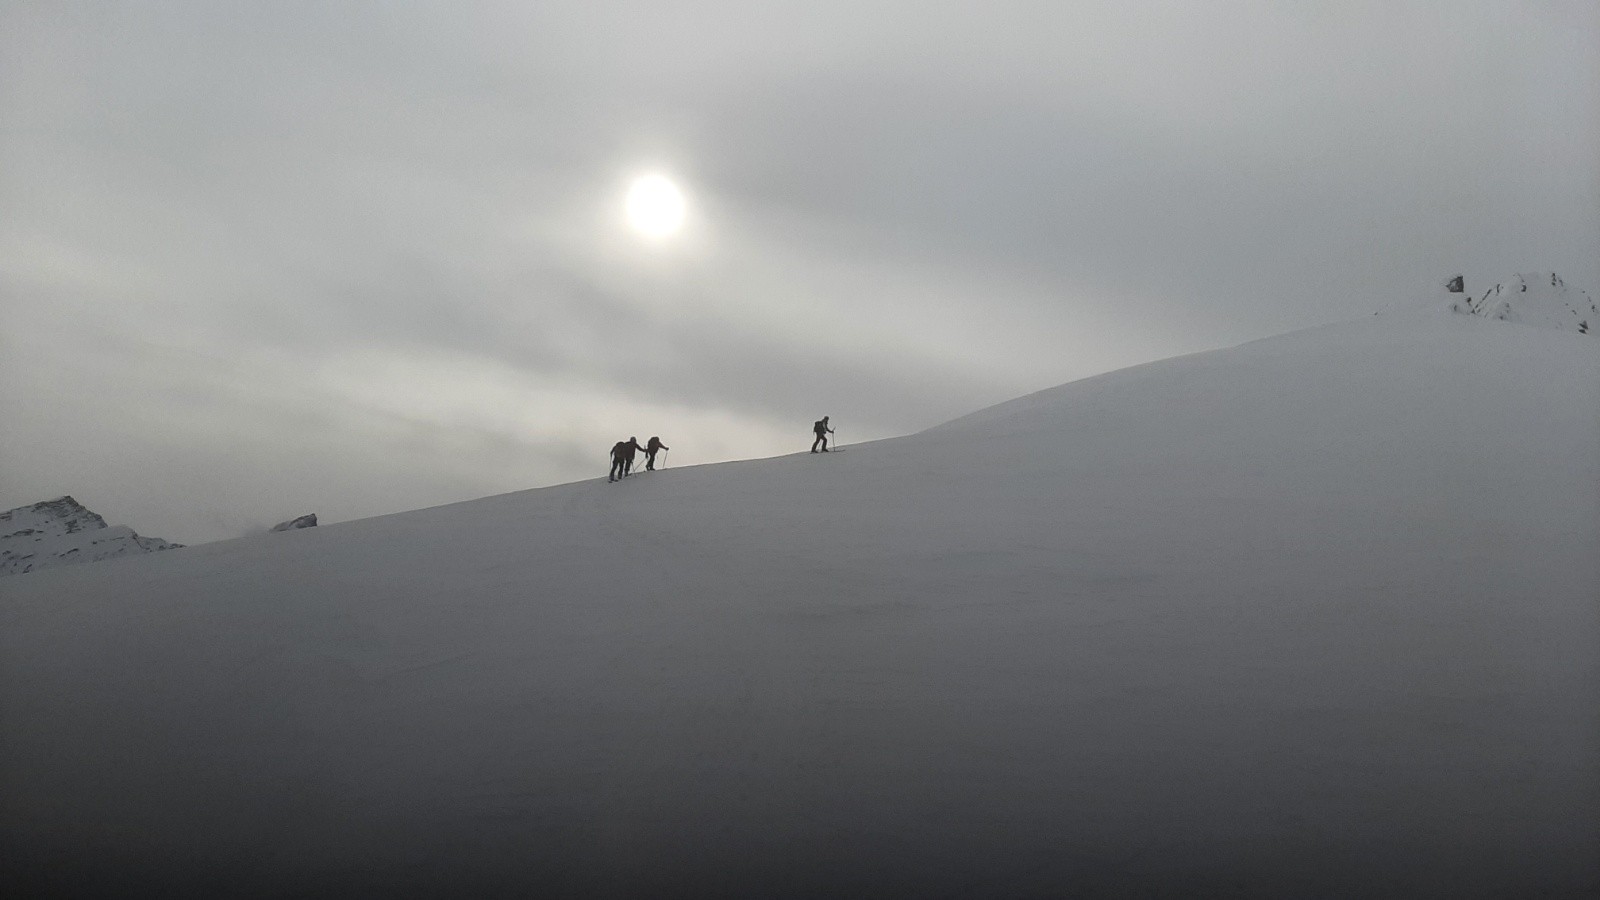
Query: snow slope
63, 532
1317, 615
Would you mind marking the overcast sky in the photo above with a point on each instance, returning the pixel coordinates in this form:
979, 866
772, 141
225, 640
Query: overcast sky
264, 259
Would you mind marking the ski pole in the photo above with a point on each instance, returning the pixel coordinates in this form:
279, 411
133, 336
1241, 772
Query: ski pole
664, 457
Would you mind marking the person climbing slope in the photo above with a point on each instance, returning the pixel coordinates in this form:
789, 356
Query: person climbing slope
821, 430
619, 455
650, 450
629, 449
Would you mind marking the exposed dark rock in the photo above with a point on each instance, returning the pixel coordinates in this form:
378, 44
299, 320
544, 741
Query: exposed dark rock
64, 532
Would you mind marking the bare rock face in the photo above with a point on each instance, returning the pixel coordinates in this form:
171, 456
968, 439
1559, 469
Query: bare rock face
306, 521
63, 532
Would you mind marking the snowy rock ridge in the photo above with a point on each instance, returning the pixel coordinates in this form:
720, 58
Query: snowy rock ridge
63, 532
1538, 299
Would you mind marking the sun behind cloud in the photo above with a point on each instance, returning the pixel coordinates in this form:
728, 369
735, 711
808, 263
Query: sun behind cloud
655, 206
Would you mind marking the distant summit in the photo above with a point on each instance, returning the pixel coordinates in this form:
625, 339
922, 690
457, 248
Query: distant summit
63, 532
1542, 300
306, 521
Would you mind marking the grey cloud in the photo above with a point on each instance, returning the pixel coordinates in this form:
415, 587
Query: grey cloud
1118, 195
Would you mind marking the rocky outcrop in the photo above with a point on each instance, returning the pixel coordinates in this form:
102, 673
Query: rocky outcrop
63, 532
305, 521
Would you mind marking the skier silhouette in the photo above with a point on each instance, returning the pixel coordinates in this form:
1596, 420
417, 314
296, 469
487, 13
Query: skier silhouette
619, 454
622, 458
821, 429
650, 450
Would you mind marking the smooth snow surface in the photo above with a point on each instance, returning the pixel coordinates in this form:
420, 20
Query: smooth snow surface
1318, 615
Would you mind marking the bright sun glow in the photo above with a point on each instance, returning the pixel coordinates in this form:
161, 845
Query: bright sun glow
655, 206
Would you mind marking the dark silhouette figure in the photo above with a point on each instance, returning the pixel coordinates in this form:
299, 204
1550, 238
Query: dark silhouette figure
821, 429
650, 450
622, 458
619, 457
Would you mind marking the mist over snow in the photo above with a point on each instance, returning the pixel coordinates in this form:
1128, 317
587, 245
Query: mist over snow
1314, 615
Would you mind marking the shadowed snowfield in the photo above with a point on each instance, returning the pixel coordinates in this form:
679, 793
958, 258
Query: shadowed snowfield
1316, 615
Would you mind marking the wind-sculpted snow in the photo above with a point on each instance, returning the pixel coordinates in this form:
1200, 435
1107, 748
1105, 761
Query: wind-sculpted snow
1312, 616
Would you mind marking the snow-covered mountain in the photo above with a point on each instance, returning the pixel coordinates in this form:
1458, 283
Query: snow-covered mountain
62, 532
1317, 615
